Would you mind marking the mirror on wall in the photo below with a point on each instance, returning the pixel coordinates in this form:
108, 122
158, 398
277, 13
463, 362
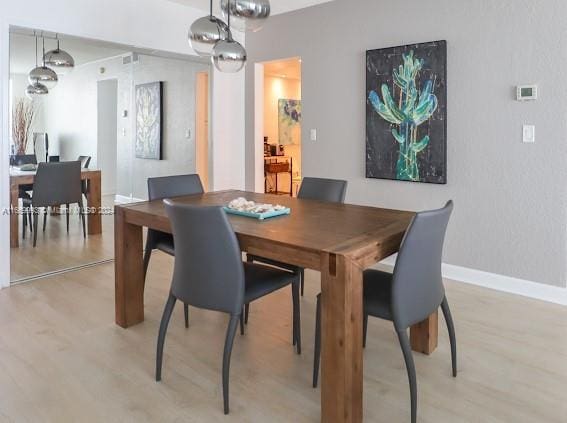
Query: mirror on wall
119, 116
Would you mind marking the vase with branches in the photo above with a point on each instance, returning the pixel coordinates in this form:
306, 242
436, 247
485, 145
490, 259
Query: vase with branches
23, 115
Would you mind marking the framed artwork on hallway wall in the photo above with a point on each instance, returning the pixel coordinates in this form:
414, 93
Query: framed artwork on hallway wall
289, 121
406, 113
149, 119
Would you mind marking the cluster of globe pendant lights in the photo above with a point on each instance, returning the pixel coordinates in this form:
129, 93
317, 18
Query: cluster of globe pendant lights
212, 37
43, 78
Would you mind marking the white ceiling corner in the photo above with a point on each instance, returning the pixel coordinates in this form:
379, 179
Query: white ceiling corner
277, 6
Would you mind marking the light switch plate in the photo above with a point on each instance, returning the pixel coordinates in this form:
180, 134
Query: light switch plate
528, 134
313, 135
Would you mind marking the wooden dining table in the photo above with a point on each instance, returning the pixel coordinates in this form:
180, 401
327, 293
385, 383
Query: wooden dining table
94, 217
339, 240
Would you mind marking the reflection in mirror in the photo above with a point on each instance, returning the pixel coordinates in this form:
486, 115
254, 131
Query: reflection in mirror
123, 114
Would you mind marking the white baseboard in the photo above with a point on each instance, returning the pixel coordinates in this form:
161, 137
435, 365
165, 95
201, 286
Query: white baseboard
539, 291
122, 199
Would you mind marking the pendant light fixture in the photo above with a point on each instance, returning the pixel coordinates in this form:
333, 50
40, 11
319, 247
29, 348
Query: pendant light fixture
229, 55
247, 15
205, 32
43, 74
59, 59
36, 88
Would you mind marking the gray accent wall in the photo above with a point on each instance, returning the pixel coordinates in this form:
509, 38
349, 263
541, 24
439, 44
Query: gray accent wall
510, 198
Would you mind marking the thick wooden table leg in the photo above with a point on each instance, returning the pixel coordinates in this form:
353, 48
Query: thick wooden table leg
94, 218
341, 376
128, 272
423, 335
14, 223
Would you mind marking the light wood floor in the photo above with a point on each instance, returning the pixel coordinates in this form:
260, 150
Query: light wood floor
62, 359
57, 250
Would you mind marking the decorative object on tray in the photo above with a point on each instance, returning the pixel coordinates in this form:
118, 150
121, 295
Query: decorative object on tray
406, 113
289, 121
241, 206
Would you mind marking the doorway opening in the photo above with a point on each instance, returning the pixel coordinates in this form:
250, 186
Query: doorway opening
278, 126
107, 130
202, 128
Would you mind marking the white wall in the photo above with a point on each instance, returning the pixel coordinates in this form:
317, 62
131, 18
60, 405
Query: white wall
19, 84
510, 198
157, 24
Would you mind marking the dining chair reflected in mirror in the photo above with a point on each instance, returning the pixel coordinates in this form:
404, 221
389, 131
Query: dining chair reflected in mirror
209, 274
24, 191
168, 187
56, 184
410, 294
318, 189
85, 162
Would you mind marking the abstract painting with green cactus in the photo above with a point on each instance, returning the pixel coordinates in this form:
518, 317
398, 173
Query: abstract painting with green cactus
406, 125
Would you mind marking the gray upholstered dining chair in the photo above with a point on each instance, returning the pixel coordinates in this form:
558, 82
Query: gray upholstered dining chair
412, 293
168, 187
56, 184
318, 189
209, 274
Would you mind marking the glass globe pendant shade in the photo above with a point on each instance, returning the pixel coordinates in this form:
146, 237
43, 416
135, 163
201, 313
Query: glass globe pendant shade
247, 15
205, 32
35, 90
44, 76
229, 56
59, 60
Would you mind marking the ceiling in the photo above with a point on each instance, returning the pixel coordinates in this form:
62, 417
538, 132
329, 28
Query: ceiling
22, 47
277, 6
288, 68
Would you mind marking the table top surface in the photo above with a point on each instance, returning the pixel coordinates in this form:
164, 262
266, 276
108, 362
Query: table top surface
14, 171
312, 225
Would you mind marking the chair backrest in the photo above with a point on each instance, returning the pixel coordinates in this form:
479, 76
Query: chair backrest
22, 159
57, 183
208, 271
174, 186
417, 286
320, 189
85, 161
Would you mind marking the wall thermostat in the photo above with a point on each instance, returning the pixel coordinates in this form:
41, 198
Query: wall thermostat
526, 92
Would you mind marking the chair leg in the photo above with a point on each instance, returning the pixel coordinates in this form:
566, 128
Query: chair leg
147, 255
231, 331
246, 311
35, 219
302, 276
82, 213
45, 211
452, 338
30, 218
162, 332
296, 315
241, 318
317, 353
67, 216
364, 330
247, 306
410, 367
24, 224
186, 312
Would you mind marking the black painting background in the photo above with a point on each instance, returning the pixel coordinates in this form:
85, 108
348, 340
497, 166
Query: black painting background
381, 147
